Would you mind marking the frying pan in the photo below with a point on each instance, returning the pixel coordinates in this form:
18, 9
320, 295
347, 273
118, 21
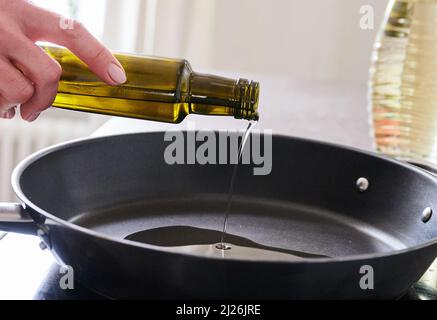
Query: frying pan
91, 200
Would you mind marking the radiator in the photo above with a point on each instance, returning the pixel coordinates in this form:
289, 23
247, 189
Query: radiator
19, 139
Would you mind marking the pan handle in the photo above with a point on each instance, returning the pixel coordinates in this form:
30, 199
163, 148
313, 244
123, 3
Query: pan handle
13, 218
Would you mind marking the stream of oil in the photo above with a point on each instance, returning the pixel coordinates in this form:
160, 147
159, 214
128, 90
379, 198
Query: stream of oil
222, 245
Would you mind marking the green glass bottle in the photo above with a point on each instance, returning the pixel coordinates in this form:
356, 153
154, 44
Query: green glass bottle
157, 89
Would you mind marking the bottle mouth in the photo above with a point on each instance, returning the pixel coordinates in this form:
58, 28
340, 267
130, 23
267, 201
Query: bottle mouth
249, 99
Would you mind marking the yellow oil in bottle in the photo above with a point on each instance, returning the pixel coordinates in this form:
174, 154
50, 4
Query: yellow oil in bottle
157, 89
404, 82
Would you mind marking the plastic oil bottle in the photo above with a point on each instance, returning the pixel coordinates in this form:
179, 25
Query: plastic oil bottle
404, 82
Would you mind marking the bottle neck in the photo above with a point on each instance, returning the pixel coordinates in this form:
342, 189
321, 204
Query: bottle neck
213, 95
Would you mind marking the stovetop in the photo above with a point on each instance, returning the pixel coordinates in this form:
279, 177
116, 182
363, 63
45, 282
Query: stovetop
27, 272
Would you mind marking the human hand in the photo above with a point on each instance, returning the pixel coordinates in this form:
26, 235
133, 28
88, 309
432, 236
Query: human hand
28, 76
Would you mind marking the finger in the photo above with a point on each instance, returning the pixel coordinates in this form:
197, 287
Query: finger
9, 113
14, 87
43, 71
5, 105
45, 25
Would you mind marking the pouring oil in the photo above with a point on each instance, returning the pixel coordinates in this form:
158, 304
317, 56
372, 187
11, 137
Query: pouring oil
203, 242
404, 82
157, 89
222, 245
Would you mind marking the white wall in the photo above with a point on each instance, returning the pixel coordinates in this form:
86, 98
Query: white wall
305, 39
311, 39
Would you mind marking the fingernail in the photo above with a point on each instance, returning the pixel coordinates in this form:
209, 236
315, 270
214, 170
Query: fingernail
32, 117
117, 74
10, 113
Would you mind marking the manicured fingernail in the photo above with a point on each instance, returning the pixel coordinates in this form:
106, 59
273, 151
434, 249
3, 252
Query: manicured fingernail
10, 113
32, 117
117, 74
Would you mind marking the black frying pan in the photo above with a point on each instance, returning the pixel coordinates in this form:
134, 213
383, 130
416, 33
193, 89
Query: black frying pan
85, 198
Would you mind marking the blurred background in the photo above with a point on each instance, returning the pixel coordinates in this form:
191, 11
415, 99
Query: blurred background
312, 51
311, 39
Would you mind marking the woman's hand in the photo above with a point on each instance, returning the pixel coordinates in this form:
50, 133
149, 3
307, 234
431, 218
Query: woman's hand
28, 76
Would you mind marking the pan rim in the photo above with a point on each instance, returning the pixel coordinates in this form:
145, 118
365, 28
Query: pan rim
23, 165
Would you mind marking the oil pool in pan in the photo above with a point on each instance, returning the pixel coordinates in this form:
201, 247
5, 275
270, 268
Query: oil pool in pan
201, 241
204, 240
